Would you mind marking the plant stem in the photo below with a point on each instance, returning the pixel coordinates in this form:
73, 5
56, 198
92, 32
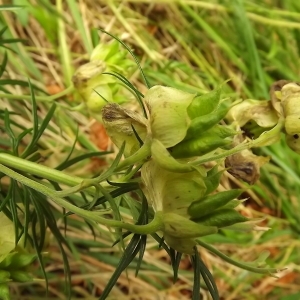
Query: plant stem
236, 263
155, 225
38, 170
142, 154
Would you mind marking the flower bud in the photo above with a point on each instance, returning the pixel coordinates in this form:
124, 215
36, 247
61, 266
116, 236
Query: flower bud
290, 101
99, 97
293, 141
205, 143
93, 85
115, 57
208, 204
275, 95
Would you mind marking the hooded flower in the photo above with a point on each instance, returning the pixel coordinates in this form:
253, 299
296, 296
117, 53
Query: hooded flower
172, 127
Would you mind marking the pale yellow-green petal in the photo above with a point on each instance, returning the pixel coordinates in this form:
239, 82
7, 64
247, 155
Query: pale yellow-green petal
169, 191
168, 115
152, 186
259, 111
181, 245
181, 227
7, 235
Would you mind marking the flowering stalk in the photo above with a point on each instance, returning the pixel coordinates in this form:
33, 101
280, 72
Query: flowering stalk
179, 128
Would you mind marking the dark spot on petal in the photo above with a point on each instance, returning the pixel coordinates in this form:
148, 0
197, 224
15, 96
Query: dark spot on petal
296, 136
174, 228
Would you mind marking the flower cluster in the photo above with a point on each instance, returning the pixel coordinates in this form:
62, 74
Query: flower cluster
178, 127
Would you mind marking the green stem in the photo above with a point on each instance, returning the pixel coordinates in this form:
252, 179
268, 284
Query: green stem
38, 170
236, 263
64, 52
76, 183
142, 154
155, 225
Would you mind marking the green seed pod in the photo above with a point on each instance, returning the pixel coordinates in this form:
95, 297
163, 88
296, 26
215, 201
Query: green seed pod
181, 227
20, 276
204, 104
4, 276
293, 141
223, 131
221, 218
212, 180
198, 146
290, 94
105, 51
203, 123
16, 260
232, 204
210, 203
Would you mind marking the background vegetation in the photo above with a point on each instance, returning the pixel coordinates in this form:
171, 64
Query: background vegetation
191, 45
